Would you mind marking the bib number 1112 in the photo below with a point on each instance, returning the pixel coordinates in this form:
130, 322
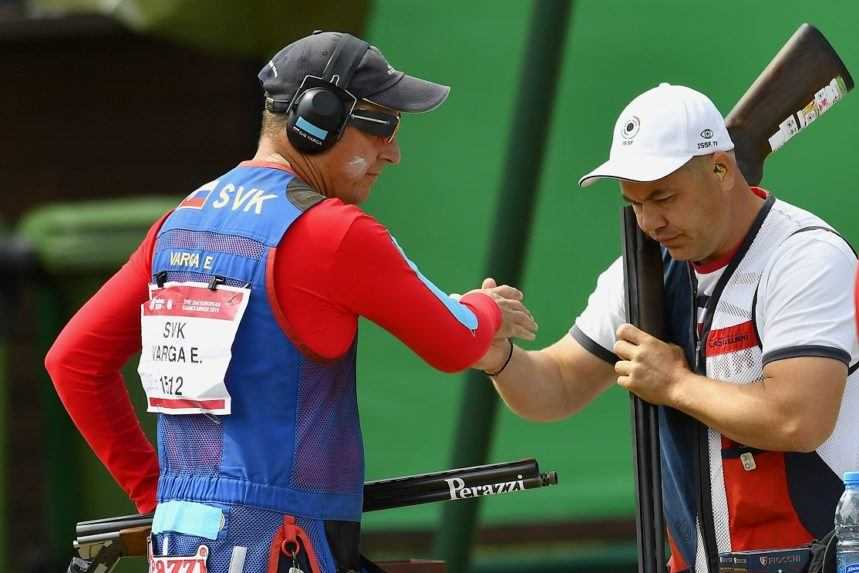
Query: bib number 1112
172, 385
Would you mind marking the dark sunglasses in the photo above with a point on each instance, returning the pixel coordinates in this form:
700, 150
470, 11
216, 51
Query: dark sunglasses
379, 123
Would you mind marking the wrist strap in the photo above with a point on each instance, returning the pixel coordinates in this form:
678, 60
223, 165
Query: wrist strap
506, 362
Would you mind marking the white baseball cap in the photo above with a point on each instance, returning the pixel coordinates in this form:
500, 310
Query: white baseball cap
659, 131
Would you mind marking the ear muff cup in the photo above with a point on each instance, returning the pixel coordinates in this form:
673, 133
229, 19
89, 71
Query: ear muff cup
320, 109
316, 120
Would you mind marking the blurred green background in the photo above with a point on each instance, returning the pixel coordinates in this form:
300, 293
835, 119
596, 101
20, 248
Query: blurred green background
440, 202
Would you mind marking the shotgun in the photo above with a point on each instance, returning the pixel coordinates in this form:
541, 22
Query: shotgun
100, 543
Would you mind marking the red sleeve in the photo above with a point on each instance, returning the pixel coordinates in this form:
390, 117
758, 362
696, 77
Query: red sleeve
338, 263
84, 364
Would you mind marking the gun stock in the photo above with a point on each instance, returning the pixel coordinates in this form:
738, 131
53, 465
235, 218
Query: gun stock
804, 79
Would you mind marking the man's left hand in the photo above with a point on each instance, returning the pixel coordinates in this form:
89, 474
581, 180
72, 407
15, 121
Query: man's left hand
648, 367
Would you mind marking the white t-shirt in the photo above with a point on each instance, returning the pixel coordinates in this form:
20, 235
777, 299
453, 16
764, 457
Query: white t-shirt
804, 307
805, 299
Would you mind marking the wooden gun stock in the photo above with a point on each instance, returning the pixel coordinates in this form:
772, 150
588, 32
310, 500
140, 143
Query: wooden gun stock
804, 79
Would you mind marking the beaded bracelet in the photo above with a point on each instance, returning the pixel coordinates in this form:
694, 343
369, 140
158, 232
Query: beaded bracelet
503, 366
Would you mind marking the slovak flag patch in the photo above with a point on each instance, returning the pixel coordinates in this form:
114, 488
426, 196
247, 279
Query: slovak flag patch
197, 199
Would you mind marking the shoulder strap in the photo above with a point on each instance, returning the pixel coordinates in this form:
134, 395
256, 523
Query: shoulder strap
822, 228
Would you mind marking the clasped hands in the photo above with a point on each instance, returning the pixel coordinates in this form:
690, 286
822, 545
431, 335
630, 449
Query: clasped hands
516, 322
648, 367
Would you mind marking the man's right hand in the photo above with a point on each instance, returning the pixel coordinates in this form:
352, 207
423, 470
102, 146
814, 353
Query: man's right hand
516, 319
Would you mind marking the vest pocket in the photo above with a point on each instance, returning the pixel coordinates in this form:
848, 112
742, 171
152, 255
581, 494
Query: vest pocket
760, 510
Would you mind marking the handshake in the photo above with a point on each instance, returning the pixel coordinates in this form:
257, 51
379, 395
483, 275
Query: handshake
516, 322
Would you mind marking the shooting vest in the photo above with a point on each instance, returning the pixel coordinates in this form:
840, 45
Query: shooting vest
720, 495
291, 441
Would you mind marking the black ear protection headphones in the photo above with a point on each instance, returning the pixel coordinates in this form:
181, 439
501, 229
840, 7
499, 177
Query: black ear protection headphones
321, 107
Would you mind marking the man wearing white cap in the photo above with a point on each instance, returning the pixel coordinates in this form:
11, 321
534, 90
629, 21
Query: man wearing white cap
757, 420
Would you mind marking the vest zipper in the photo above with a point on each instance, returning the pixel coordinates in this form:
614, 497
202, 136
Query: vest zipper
705, 502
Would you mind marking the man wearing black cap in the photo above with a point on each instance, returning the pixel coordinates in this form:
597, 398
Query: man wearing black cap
758, 394
246, 297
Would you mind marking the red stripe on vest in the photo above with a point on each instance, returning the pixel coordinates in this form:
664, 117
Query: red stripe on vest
179, 403
760, 511
731, 339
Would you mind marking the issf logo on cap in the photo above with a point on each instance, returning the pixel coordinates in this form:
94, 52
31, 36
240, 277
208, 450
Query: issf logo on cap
629, 129
707, 135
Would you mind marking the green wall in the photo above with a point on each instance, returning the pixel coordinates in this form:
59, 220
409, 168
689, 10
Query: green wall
439, 201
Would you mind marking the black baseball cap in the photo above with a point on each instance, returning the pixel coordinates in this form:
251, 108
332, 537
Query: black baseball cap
374, 80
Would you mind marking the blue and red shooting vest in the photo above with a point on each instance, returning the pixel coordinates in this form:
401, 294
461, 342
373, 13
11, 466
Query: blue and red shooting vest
292, 442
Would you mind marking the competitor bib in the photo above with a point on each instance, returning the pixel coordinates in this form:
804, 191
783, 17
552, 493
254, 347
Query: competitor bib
192, 564
188, 331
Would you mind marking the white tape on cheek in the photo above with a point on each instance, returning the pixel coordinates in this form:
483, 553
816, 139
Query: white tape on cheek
356, 166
